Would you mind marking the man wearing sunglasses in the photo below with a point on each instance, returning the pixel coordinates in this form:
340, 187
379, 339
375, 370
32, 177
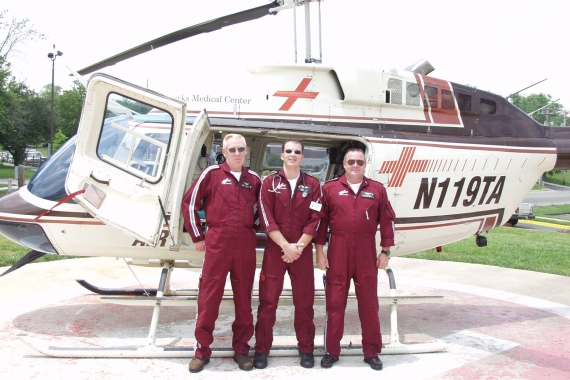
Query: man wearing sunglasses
228, 193
353, 206
289, 211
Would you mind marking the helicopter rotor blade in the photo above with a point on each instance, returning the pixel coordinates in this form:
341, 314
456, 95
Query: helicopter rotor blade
205, 27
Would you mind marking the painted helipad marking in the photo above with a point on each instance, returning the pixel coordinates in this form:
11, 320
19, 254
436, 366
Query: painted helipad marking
544, 224
463, 348
535, 303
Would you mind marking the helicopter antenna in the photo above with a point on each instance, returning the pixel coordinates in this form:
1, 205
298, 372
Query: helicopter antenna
510, 97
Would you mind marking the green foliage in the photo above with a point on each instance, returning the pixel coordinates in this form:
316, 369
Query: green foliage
58, 139
23, 116
273, 160
533, 102
68, 107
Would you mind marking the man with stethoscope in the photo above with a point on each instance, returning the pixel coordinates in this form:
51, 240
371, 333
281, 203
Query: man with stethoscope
289, 211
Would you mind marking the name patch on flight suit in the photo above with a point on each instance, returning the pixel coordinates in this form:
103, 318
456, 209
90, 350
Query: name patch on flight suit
366, 194
246, 185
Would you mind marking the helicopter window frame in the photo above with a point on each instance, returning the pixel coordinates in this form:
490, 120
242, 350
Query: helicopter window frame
465, 102
306, 167
487, 106
127, 139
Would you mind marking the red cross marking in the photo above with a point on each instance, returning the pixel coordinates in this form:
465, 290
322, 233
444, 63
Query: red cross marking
299, 92
405, 164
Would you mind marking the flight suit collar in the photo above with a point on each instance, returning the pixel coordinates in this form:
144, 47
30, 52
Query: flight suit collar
345, 183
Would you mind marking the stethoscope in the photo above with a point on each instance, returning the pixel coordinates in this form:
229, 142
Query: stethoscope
304, 188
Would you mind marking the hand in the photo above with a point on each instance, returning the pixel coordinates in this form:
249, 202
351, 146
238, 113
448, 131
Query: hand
322, 262
200, 246
291, 253
382, 261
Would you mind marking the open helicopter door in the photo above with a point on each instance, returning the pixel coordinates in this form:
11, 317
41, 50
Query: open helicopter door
126, 156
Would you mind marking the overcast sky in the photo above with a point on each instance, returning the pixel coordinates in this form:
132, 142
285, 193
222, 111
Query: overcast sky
500, 46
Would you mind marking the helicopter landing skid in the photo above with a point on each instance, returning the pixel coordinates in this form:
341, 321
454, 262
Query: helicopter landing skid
150, 350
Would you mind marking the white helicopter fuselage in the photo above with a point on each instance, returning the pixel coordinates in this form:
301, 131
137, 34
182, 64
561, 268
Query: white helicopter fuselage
446, 180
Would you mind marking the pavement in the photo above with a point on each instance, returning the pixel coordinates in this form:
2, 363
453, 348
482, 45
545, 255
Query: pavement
496, 323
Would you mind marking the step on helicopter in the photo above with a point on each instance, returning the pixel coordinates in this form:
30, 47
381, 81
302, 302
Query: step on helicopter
456, 162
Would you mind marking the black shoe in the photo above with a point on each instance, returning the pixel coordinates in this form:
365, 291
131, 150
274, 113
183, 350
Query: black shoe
307, 360
327, 361
375, 363
260, 360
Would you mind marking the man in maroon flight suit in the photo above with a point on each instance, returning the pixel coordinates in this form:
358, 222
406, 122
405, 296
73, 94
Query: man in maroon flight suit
289, 211
228, 193
353, 206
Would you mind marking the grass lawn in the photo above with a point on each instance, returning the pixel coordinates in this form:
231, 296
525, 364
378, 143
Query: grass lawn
8, 172
557, 178
11, 252
538, 251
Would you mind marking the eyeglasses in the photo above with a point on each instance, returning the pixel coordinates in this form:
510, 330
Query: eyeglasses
289, 151
352, 162
241, 149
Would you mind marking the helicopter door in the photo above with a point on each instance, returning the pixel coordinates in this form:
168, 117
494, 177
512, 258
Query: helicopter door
126, 156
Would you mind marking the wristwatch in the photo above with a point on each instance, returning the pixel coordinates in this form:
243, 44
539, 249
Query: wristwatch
387, 253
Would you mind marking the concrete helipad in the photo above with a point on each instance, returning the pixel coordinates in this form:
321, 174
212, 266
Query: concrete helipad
497, 323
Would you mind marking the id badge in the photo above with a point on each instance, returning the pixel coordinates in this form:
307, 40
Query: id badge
317, 206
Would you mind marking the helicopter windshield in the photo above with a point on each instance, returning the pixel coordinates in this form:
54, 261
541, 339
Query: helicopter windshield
49, 181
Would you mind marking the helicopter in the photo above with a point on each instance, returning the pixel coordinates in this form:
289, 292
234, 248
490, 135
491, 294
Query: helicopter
456, 162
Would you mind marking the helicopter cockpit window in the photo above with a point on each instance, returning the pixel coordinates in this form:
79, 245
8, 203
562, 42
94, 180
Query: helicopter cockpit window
431, 96
394, 91
315, 161
464, 102
488, 106
412, 94
133, 139
447, 102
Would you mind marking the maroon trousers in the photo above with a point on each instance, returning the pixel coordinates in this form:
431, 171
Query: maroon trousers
302, 277
226, 254
346, 262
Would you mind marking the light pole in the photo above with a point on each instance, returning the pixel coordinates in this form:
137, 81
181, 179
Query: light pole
52, 56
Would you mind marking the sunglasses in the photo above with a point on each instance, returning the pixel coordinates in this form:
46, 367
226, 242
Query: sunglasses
289, 151
352, 162
241, 149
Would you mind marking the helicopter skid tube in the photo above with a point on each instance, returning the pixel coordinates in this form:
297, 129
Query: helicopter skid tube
150, 350
170, 352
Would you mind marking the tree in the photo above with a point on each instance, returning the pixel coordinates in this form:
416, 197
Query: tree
25, 118
533, 102
68, 109
22, 111
15, 33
